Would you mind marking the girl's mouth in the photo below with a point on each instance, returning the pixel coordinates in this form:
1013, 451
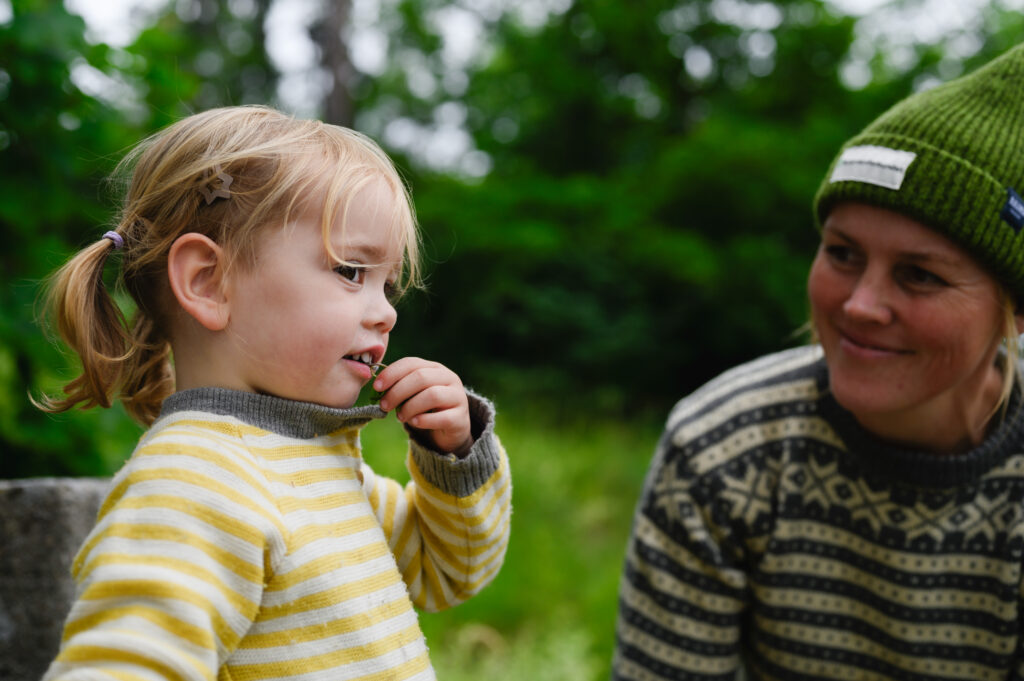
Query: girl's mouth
364, 357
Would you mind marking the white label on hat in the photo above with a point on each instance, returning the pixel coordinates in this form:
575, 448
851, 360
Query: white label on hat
873, 165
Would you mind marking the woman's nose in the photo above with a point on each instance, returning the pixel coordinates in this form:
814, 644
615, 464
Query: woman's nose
869, 300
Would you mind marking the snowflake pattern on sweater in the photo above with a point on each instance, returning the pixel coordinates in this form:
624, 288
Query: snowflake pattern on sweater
777, 536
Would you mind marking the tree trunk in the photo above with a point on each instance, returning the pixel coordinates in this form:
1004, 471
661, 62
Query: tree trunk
327, 34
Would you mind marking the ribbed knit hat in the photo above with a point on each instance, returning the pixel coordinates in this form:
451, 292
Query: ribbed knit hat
952, 158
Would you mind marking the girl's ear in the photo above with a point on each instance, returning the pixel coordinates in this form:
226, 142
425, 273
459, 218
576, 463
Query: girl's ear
196, 270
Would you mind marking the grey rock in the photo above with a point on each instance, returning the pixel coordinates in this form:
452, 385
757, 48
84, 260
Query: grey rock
43, 522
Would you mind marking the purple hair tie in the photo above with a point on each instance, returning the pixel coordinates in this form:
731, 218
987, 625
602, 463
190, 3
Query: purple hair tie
116, 238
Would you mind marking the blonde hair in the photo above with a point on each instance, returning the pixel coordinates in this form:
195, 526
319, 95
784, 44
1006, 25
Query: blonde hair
278, 165
1010, 365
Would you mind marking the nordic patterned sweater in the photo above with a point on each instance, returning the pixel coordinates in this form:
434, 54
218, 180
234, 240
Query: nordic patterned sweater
777, 536
246, 539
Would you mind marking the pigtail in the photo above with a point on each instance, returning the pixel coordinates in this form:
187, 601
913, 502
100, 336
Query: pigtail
148, 378
91, 324
114, 358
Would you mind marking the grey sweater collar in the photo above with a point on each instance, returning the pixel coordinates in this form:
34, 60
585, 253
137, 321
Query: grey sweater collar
275, 414
921, 467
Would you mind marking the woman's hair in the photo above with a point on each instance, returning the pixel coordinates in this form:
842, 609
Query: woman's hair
227, 174
1011, 338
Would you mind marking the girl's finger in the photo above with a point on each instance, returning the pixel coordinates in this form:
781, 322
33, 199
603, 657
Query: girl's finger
433, 399
447, 420
418, 382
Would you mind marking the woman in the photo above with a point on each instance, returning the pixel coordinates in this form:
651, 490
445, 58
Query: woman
855, 509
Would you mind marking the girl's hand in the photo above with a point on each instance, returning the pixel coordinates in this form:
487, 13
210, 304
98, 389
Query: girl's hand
430, 398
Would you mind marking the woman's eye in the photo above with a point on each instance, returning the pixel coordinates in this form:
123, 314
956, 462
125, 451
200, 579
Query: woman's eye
919, 276
839, 254
351, 272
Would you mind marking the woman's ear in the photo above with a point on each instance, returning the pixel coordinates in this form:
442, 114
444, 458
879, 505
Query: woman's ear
196, 270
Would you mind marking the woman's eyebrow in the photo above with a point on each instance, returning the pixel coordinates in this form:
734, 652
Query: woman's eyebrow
919, 256
838, 233
929, 257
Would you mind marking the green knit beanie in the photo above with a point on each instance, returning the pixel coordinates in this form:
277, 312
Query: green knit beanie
952, 158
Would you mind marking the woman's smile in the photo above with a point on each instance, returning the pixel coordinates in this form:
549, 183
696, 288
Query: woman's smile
867, 348
910, 324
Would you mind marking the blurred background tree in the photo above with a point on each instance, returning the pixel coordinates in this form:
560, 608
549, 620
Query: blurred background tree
615, 198
615, 195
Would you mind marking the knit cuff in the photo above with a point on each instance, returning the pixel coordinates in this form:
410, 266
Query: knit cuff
461, 477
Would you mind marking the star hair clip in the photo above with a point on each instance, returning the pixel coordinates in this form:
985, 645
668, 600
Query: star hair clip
220, 192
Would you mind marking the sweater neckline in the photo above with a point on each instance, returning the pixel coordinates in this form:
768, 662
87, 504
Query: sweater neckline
278, 415
918, 466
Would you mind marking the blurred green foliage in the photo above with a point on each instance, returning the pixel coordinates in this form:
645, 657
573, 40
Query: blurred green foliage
642, 227
68, 110
644, 224
550, 613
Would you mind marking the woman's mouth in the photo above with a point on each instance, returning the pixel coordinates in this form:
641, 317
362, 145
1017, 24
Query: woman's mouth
867, 347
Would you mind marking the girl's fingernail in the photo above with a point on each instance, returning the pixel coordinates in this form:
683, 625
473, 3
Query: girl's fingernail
377, 385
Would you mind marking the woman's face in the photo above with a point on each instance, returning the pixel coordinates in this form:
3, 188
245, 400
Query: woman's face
909, 322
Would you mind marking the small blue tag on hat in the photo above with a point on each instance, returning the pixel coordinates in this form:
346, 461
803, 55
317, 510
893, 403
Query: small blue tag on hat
1013, 210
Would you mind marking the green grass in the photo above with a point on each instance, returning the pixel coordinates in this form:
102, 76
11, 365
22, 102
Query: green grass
550, 613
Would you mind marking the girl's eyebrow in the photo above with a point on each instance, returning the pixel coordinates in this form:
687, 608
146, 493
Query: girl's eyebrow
371, 252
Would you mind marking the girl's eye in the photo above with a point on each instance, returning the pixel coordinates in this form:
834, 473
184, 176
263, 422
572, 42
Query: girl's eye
390, 291
353, 273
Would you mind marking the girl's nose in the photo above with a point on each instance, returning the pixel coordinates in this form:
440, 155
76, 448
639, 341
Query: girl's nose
869, 300
381, 314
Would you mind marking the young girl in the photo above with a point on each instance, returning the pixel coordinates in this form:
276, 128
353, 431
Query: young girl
246, 538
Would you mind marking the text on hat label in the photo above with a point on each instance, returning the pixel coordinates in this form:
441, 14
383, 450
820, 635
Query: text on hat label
875, 165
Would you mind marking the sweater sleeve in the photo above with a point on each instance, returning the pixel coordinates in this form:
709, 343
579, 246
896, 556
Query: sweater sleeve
1017, 666
683, 589
170, 578
449, 526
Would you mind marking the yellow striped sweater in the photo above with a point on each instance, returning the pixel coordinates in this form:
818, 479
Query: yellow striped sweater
247, 539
